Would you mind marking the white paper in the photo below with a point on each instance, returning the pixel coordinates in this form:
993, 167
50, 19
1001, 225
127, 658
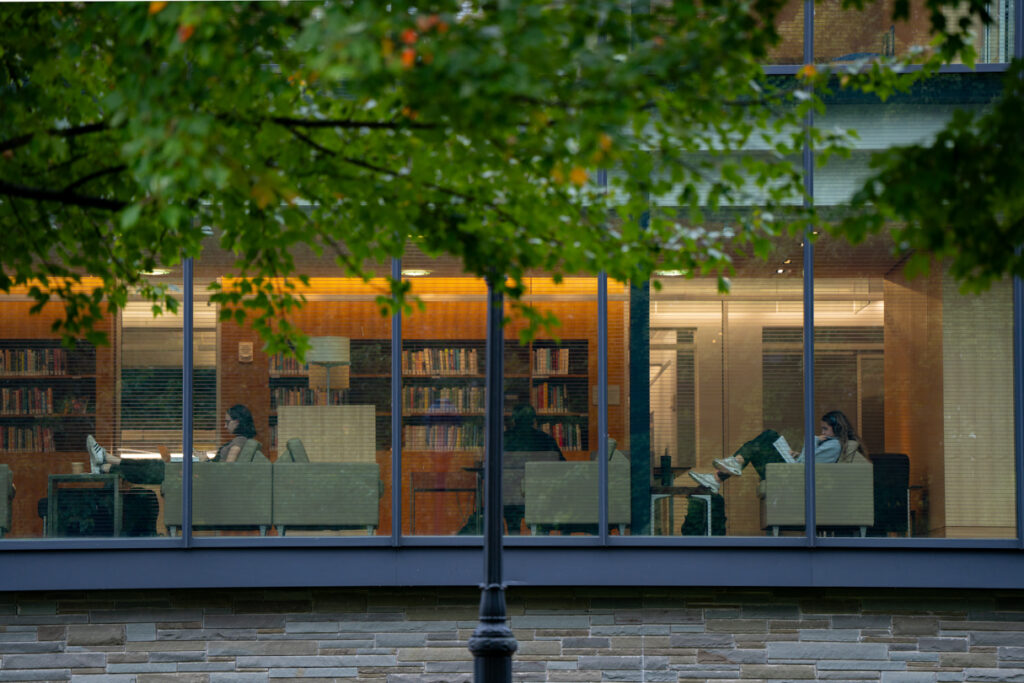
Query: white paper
782, 446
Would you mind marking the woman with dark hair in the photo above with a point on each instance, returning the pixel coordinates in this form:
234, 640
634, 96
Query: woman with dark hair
239, 422
837, 442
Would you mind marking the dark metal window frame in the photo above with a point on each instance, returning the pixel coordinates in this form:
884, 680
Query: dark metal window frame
601, 560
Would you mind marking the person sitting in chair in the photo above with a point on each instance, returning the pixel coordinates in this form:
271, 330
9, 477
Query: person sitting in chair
837, 442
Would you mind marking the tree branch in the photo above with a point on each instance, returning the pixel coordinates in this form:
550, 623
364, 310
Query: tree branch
61, 197
92, 176
349, 123
22, 140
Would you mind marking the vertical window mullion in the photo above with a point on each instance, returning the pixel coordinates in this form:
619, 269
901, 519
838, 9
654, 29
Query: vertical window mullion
602, 405
187, 374
396, 414
810, 523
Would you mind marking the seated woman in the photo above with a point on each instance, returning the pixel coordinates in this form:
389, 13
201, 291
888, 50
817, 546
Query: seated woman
238, 422
837, 442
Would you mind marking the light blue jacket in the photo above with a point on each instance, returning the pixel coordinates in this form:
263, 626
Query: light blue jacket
824, 451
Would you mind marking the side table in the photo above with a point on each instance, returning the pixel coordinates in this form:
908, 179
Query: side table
98, 482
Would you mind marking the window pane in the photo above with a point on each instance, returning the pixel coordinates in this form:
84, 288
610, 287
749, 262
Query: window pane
921, 375
723, 383
53, 398
844, 35
443, 365
550, 478
290, 448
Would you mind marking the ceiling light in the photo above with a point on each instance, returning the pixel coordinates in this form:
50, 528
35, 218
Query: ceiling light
414, 272
780, 271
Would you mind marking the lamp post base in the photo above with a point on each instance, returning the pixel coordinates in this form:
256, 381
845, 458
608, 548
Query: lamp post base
492, 643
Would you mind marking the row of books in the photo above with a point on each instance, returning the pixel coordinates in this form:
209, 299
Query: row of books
302, 396
443, 437
33, 362
441, 362
36, 438
550, 398
443, 400
551, 361
281, 364
568, 435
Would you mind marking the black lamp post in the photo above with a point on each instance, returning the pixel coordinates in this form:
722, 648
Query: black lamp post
492, 643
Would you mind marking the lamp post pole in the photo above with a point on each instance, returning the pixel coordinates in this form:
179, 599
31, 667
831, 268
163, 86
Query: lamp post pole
492, 643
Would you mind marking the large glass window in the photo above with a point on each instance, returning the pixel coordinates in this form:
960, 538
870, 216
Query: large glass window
914, 371
80, 424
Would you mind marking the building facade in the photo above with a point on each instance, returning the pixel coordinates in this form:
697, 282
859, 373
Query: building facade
345, 540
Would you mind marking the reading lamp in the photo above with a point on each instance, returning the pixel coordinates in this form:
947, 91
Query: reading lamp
329, 352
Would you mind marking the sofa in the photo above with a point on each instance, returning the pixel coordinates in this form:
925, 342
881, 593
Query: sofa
291, 493
844, 496
324, 495
225, 495
563, 495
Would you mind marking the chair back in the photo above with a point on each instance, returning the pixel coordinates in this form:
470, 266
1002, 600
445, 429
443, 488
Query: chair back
513, 469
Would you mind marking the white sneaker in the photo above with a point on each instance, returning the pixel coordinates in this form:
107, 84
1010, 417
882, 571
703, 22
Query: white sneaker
730, 465
97, 454
707, 480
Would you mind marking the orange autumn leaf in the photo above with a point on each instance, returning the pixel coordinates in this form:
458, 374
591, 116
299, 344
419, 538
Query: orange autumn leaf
155, 7
185, 32
409, 36
808, 71
605, 141
578, 175
408, 58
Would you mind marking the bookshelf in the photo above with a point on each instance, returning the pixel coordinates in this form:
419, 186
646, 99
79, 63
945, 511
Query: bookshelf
47, 396
443, 390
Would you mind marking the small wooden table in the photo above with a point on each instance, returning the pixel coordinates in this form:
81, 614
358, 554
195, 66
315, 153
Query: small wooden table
108, 482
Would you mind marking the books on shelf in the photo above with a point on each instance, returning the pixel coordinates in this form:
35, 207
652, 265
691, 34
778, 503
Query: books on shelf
31, 439
281, 364
443, 400
441, 362
568, 435
550, 398
551, 361
33, 361
303, 396
443, 437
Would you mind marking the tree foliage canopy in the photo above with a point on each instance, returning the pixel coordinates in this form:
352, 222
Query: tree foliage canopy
514, 135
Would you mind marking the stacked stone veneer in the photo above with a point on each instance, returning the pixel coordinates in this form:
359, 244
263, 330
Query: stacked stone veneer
564, 635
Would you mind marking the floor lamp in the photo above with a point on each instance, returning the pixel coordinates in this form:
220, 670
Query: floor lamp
329, 352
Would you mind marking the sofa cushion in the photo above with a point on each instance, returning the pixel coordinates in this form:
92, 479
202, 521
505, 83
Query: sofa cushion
294, 451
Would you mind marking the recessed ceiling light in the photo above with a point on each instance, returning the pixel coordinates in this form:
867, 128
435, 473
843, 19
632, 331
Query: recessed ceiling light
414, 272
670, 273
780, 271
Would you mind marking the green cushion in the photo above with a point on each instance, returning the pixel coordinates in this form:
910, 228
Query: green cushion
252, 451
295, 451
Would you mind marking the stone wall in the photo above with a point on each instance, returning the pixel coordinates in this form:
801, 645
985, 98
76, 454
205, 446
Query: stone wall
402, 636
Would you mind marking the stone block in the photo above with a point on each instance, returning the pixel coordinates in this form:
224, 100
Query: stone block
10, 648
819, 651
608, 662
237, 677
140, 631
51, 632
964, 660
861, 621
550, 621
77, 660
994, 675
43, 675
914, 656
326, 673
235, 648
400, 639
96, 634
585, 643
996, 638
433, 654
942, 644
142, 667
737, 656
845, 635
1011, 654
908, 677
860, 665
915, 626
312, 627
702, 640
540, 647
179, 657
259, 621
778, 671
